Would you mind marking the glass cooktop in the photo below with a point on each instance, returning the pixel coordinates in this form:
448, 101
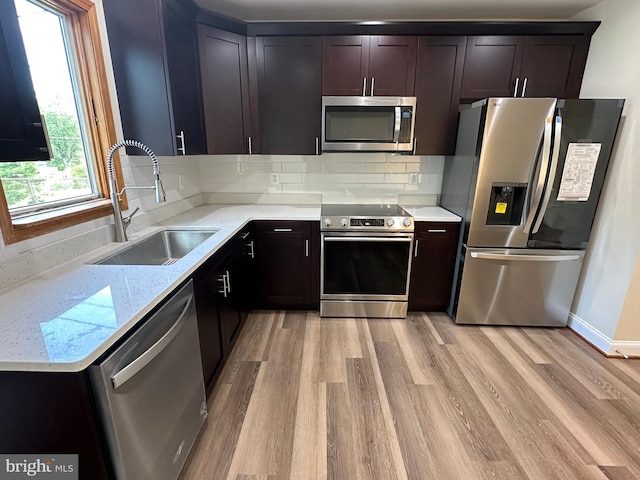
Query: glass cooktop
373, 210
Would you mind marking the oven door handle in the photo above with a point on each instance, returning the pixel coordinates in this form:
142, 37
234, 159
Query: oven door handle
367, 239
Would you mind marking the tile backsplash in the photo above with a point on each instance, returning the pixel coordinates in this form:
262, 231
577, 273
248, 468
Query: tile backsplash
329, 178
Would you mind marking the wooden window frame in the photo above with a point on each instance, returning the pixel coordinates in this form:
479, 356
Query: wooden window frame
85, 35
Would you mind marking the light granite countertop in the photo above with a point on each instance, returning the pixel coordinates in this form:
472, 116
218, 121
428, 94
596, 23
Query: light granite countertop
66, 317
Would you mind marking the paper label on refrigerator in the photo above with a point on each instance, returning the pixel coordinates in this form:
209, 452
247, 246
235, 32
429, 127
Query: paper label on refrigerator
578, 172
501, 207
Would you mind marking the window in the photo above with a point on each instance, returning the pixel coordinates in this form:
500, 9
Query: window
64, 56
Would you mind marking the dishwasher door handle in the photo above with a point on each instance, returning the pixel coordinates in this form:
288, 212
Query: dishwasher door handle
128, 372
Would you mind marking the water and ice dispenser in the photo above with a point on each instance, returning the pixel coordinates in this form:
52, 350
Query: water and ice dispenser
506, 204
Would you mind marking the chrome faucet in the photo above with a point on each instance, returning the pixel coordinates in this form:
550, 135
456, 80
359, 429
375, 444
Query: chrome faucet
120, 223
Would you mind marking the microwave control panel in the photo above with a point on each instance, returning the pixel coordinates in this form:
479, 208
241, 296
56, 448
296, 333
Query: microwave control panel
406, 117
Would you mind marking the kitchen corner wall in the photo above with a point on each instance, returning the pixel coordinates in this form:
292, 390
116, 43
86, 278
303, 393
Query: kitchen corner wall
606, 307
329, 178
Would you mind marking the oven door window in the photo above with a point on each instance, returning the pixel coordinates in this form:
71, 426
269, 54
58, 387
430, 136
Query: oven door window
359, 124
361, 267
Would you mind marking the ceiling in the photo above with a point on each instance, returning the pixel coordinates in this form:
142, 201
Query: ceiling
415, 10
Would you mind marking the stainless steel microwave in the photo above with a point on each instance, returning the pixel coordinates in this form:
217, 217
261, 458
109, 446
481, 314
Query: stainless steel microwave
368, 124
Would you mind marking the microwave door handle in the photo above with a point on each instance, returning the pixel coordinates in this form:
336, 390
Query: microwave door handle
552, 174
396, 129
542, 176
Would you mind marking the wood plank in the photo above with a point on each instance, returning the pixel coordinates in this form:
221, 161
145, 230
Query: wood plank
618, 473
309, 438
420, 371
228, 408
266, 439
341, 450
396, 453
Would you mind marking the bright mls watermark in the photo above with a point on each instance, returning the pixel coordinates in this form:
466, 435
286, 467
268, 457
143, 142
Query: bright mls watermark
50, 467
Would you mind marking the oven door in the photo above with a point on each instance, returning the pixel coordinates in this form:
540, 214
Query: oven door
365, 266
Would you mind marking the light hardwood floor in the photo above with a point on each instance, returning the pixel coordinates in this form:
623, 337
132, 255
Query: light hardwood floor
422, 398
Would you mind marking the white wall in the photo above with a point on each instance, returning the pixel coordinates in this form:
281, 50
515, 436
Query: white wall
608, 286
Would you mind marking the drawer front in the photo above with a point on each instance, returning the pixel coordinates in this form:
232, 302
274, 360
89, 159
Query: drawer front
437, 229
282, 227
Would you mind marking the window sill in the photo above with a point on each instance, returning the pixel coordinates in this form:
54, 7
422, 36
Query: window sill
30, 226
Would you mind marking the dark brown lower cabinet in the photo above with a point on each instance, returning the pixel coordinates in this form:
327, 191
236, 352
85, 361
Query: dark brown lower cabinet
433, 263
49, 413
288, 257
224, 290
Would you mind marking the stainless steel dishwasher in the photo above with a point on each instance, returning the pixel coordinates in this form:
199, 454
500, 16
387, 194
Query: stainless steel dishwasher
150, 393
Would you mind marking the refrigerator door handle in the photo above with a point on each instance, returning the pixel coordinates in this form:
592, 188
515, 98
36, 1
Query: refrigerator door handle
525, 258
552, 174
542, 177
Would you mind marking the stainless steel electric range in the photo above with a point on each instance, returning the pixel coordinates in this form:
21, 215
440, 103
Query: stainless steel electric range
365, 260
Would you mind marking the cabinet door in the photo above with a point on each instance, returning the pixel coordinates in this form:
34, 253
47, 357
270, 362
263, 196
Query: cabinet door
228, 305
433, 264
153, 52
491, 66
284, 258
206, 294
225, 90
184, 79
438, 80
22, 135
392, 65
289, 93
138, 58
553, 65
345, 64
244, 273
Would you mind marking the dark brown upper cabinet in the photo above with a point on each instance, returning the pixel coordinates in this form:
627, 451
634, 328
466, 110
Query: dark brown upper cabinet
524, 66
155, 63
382, 65
438, 80
553, 65
289, 86
225, 91
22, 135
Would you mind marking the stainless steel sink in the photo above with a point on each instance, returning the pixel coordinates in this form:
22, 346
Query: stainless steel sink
163, 248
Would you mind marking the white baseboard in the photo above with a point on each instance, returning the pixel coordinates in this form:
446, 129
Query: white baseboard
601, 341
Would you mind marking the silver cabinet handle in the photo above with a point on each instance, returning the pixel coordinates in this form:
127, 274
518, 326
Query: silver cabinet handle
415, 145
143, 360
542, 178
228, 281
524, 86
552, 174
252, 253
249, 142
515, 92
283, 229
364, 86
373, 79
223, 279
317, 146
436, 230
183, 148
525, 258
415, 251
367, 239
306, 248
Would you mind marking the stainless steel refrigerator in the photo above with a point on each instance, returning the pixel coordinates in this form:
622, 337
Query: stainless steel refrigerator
526, 179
